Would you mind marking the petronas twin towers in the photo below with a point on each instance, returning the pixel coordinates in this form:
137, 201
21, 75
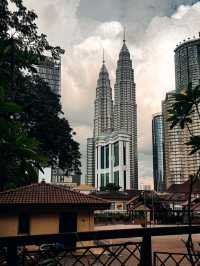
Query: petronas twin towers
112, 152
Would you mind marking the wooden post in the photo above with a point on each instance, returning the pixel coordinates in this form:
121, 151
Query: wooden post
146, 251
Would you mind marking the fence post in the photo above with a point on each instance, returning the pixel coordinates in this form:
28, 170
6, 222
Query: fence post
12, 258
146, 251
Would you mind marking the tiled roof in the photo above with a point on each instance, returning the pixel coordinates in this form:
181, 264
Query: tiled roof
48, 194
184, 187
117, 195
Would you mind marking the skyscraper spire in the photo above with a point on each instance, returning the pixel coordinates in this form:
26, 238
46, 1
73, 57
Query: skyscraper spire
103, 57
124, 40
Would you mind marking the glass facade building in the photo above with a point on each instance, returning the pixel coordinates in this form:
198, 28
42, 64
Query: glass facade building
111, 165
50, 71
158, 152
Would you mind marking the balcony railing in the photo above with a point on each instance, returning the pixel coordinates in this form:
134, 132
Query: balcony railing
106, 247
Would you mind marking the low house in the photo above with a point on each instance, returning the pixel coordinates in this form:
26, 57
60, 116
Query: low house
118, 199
43, 208
85, 189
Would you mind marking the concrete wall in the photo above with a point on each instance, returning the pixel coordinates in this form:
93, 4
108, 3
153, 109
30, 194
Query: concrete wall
45, 223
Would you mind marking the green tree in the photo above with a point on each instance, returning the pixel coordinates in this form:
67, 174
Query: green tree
110, 187
39, 122
181, 115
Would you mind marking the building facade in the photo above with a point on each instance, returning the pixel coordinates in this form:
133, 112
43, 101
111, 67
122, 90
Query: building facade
50, 71
125, 108
179, 163
90, 173
158, 152
113, 158
59, 177
173, 163
103, 115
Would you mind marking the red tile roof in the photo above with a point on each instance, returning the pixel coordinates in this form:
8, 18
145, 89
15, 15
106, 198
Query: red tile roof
48, 194
184, 187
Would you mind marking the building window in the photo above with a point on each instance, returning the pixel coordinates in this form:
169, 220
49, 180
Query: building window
124, 152
107, 156
102, 180
116, 178
97, 157
62, 179
116, 153
67, 222
107, 178
124, 180
102, 157
24, 224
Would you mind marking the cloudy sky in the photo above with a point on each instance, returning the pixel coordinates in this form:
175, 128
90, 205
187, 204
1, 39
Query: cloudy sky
84, 27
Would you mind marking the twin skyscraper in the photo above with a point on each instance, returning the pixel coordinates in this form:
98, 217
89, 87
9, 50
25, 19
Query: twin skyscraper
112, 151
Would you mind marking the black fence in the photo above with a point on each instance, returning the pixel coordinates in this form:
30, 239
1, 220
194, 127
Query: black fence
177, 259
102, 251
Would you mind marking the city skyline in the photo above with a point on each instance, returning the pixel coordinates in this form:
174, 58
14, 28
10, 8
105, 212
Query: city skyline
151, 46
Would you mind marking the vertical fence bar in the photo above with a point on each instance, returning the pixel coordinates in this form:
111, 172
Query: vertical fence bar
146, 250
12, 254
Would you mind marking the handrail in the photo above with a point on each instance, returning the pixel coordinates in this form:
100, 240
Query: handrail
101, 234
13, 242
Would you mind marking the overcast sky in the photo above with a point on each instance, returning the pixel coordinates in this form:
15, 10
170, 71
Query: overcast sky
84, 27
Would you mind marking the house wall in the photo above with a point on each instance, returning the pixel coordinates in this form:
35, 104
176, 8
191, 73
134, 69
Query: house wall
85, 221
45, 223
8, 225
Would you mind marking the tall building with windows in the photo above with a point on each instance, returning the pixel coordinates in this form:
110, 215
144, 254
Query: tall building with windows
158, 152
174, 159
90, 172
179, 163
50, 71
103, 117
125, 108
115, 133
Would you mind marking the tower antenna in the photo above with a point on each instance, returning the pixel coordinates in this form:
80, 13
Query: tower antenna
124, 40
103, 57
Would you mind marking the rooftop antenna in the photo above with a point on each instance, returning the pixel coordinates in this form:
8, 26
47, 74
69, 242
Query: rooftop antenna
124, 40
103, 57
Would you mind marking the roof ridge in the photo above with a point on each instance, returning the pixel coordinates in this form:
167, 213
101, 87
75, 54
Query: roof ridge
18, 188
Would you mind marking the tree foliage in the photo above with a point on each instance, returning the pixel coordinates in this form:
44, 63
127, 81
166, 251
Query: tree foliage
32, 125
110, 187
182, 114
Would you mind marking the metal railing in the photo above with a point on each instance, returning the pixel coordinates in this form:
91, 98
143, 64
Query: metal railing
107, 251
176, 259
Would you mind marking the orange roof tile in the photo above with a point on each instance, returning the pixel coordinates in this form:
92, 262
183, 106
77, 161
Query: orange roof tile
48, 194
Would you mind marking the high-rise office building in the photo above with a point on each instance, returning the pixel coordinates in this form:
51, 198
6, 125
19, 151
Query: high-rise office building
187, 64
187, 70
90, 172
115, 135
179, 163
158, 152
50, 71
125, 108
173, 159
